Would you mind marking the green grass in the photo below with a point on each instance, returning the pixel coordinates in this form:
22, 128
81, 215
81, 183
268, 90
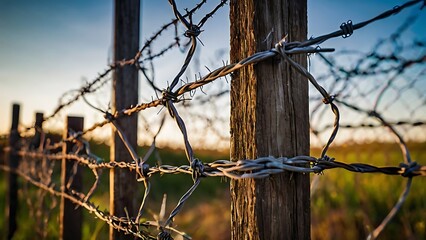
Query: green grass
349, 205
172, 185
344, 205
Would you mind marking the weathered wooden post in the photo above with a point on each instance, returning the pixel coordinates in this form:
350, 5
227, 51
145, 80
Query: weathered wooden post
38, 125
70, 217
124, 94
12, 185
269, 117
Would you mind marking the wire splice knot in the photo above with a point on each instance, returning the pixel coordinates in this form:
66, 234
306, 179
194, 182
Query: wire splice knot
197, 169
169, 96
327, 159
144, 173
410, 169
347, 29
329, 99
108, 116
193, 31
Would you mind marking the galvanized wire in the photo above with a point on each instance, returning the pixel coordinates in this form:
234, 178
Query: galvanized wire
248, 168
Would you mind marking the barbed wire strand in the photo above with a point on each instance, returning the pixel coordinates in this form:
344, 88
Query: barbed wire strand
82, 91
407, 160
346, 30
88, 87
257, 168
122, 224
240, 169
290, 48
411, 123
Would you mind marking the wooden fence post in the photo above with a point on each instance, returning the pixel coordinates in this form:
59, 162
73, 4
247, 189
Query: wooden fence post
269, 117
12, 186
35, 143
124, 94
70, 217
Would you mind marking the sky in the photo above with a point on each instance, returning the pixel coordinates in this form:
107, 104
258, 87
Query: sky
48, 47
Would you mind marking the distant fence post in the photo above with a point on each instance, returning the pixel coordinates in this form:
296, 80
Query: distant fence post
12, 185
124, 94
70, 218
36, 141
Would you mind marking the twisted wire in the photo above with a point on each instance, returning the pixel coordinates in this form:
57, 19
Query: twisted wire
255, 168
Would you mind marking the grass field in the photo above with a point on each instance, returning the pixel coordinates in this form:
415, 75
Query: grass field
349, 205
344, 205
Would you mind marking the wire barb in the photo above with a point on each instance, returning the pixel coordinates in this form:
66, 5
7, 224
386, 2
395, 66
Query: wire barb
347, 29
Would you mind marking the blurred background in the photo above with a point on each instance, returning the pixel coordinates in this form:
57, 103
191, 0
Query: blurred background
51, 48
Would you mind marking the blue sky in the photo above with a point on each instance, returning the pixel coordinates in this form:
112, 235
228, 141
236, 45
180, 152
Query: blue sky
48, 47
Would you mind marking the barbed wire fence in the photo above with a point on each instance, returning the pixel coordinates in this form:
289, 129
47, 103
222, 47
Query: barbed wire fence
38, 164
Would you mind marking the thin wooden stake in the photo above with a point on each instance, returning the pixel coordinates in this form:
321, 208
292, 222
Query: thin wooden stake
36, 141
12, 186
70, 217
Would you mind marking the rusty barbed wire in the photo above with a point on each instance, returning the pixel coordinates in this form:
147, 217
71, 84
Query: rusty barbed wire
91, 87
289, 48
126, 225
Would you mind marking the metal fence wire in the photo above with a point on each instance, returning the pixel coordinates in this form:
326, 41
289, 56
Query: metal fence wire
341, 93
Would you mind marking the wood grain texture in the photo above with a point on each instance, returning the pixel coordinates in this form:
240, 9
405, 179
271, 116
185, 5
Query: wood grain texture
269, 117
125, 94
